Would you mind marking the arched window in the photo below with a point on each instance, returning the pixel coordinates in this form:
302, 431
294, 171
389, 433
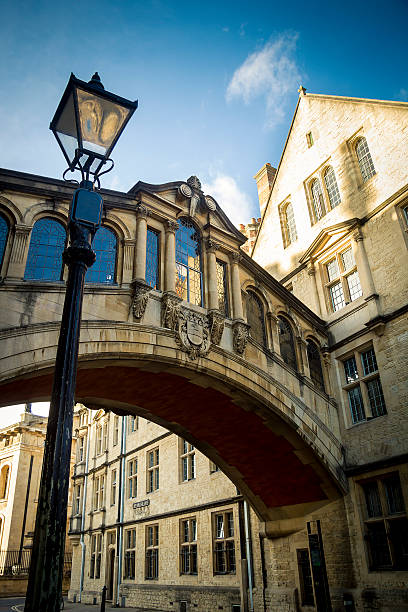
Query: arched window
152, 258
315, 364
4, 478
331, 186
286, 343
4, 230
255, 318
288, 224
364, 159
188, 263
104, 268
44, 261
318, 202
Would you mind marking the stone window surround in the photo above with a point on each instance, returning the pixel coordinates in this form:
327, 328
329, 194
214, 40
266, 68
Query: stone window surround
352, 144
152, 470
335, 254
188, 546
287, 239
188, 461
319, 174
225, 539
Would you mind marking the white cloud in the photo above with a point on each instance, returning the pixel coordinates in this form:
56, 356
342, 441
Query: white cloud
271, 72
236, 204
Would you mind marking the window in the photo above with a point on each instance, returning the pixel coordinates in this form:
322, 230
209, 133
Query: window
152, 552
83, 418
4, 481
153, 470
317, 200
255, 318
99, 492
4, 230
132, 423
305, 577
132, 478
96, 556
315, 364
44, 260
363, 386
288, 224
224, 544
104, 436
188, 263
364, 159
188, 461
104, 268
214, 467
222, 287
188, 546
405, 214
81, 449
309, 139
286, 343
152, 258
331, 187
115, 430
385, 523
130, 554
343, 283
113, 487
98, 439
77, 506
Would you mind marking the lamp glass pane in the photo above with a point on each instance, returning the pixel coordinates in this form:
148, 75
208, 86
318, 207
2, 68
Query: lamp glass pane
66, 128
100, 120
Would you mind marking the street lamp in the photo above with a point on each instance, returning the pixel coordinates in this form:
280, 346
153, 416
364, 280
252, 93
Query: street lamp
87, 125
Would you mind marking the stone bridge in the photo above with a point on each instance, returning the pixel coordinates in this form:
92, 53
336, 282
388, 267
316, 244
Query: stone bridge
213, 348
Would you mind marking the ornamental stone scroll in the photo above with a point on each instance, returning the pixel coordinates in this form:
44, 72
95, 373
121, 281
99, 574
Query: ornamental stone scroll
140, 298
216, 322
240, 331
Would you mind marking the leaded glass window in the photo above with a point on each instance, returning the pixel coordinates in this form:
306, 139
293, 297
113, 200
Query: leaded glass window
188, 263
286, 343
4, 230
364, 160
104, 268
344, 281
318, 203
44, 260
152, 258
222, 287
290, 224
331, 186
315, 364
255, 318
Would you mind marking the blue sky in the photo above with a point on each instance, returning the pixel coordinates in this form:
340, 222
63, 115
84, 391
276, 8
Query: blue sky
216, 81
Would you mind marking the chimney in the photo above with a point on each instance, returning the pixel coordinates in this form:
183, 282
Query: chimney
264, 180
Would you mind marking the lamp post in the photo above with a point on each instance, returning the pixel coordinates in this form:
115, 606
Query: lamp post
87, 125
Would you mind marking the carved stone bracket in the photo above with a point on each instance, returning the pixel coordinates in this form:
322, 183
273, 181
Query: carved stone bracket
212, 246
236, 257
240, 336
193, 333
216, 320
170, 310
140, 298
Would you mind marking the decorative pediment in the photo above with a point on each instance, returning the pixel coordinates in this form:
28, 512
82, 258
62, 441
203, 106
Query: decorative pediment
328, 238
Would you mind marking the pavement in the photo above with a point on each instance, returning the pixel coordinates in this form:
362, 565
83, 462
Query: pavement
16, 604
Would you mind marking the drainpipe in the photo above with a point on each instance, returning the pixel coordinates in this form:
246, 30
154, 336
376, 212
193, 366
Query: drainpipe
82, 540
248, 545
121, 504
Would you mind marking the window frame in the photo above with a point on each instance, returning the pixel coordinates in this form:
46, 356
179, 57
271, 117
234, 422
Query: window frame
361, 161
188, 461
289, 236
152, 470
222, 287
183, 221
9, 225
132, 473
188, 547
326, 202
59, 222
224, 552
157, 233
113, 487
96, 556
152, 552
99, 492
92, 270
341, 279
295, 365
253, 295
129, 554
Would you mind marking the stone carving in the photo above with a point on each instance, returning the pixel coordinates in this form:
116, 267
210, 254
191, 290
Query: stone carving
210, 203
170, 310
217, 320
171, 226
236, 257
193, 334
140, 298
212, 246
240, 336
185, 191
194, 182
142, 211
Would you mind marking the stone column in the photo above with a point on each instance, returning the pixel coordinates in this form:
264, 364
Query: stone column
363, 268
326, 363
212, 275
18, 257
302, 356
141, 238
128, 260
170, 256
273, 330
311, 270
238, 312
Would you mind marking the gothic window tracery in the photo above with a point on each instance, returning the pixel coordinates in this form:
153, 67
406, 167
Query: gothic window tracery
188, 263
255, 318
286, 343
44, 260
104, 268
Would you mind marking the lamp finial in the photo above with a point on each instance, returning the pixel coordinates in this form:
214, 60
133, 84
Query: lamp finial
96, 81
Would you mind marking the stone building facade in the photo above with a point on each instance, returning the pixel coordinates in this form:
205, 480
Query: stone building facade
334, 232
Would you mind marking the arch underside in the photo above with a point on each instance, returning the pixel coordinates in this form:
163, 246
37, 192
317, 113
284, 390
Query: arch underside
266, 458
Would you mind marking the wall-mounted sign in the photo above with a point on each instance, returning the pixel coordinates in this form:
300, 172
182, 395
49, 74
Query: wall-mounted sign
141, 504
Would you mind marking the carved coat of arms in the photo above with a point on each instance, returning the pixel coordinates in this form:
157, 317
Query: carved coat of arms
193, 334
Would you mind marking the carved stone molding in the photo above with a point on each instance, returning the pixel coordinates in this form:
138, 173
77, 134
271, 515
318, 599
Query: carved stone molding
216, 320
171, 226
21, 233
142, 211
358, 235
240, 331
236, 257
212, 246
170, 308
311, 270
193, 333
185, 190
140, 297
210, 203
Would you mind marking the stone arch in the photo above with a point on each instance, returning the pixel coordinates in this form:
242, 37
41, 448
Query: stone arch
287, 339
43, 209
252, 290
8, 207
116, 224
5, 473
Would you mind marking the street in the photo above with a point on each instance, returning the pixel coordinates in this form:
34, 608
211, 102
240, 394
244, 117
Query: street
16, 604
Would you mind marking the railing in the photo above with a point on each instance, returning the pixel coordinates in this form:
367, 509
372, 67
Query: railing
17, 562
